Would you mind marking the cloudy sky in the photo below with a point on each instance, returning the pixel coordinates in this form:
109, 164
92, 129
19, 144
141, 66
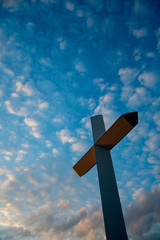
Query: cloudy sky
61, 62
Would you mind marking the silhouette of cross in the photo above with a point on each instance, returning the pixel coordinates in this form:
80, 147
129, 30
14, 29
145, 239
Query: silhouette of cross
99, 153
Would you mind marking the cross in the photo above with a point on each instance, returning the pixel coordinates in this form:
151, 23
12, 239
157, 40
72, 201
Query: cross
99, 154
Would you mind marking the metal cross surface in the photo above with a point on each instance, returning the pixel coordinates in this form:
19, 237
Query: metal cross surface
99, 153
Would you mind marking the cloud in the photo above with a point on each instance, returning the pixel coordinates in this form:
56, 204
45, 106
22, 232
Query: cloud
63, 204
87, 102
25, 88
80, 67
128, 75
20, 154
92, 226
3, 151
158, 39
143, 214
48, 143
43, 105
22, 111
100, 83
66, 136
156, 118
69, 6
79, 147
153, 142
140, 7
105, 106
10, 3
139, 33
55, 151
33, 124
139, 98
148, 79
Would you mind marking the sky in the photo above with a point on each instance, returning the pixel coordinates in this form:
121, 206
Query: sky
62, 62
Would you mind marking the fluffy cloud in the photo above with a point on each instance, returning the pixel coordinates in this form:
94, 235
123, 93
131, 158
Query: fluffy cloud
25, 88
139, 33
128, 75
139, 98
33, 124
100, 83
63, 204
66, 136
22, 111
142, 215
80, 67
43, 105
69, 6
87, 102
148, 79
55, 151
105, 107
79, 147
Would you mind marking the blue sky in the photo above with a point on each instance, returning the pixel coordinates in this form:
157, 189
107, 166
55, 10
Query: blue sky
62, 62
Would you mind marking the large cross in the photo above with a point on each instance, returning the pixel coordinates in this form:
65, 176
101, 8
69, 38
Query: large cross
99, 153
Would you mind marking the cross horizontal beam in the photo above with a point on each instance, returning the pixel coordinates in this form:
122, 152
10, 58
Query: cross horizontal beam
124, 124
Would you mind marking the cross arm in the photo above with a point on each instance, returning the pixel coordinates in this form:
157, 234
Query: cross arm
124, 124
86, 162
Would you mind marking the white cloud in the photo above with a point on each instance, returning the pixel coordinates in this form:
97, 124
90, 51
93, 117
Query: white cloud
137, 54
104, 102
55, 151
143, 215
30, 122
100, 83
156, 118
105, 107
148, 79
10, 3
126, 93
66, 136
43, 105
57, 120
9, 72
153, 142
139, 33
15, 95
80, 67
69, 6
5, 152
80, 13
139, 98
25, 145
7, 158
63, 45
158, 38
48, 143
90, 103
25, 88
9, 107
63, 204
128, 75
21, 153
86, 122
79, 147
156, 102
1, 93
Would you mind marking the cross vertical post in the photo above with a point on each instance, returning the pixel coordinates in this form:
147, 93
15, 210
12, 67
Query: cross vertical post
99, 154
111, 206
